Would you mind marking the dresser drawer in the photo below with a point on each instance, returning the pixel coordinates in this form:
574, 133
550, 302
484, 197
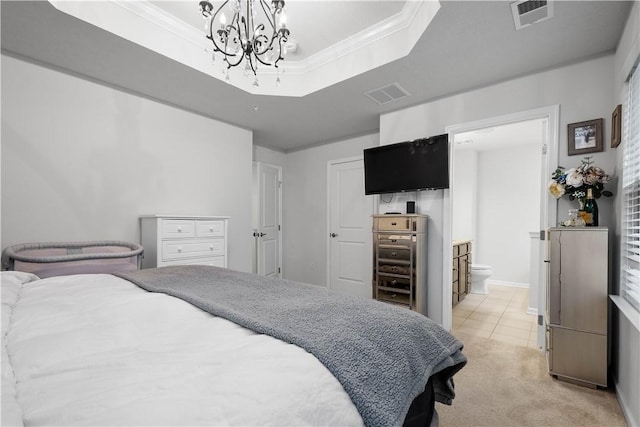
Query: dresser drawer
209, 228
391, 283
177, 228
394, 297
464, 249
404, 270
191, 248
461, 249
394, 224
394, 240
217, 261
395, 253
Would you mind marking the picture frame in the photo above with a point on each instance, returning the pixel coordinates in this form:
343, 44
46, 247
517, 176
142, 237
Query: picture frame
616, 126
585, 137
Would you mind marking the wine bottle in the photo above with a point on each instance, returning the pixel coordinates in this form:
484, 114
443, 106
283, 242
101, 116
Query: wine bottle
590, 210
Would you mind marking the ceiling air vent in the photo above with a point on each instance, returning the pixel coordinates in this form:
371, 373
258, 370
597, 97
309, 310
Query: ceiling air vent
529, 12
387, 93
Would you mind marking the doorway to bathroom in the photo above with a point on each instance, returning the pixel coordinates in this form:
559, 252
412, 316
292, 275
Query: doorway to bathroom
498, 202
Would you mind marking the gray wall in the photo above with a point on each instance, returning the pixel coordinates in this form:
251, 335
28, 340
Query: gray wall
81, 161
464, 201
563, 86
305, 234
501, 206
626, 330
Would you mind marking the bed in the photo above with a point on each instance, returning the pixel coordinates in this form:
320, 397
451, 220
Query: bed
198, 345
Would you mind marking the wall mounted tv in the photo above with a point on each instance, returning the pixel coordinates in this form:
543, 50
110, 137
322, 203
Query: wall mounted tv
421, 164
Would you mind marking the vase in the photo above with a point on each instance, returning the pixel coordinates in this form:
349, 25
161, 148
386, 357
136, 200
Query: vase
581, 201
581, 211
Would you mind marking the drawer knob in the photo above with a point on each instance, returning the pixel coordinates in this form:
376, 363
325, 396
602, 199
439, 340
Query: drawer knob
394, 253
394, 223
179, 229
210, 247
210, 228
179, 249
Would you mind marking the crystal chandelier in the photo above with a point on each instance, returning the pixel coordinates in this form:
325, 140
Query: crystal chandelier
249, 36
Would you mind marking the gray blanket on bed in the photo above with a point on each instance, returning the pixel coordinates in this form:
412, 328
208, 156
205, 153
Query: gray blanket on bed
382, 355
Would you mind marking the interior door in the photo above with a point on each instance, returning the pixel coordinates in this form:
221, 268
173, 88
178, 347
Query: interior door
267, 228
350, 251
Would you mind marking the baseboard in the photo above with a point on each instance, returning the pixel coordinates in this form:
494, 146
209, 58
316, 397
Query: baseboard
626, 409
506, 283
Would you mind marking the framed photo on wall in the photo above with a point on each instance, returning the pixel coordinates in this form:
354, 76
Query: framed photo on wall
616, 125
585, 137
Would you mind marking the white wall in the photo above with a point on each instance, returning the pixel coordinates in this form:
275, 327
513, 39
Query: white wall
508, 208
564, 86
463, 205
625, 357
81, 161
269, 156
305, 234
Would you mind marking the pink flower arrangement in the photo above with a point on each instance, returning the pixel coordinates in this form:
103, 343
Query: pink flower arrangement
574, 182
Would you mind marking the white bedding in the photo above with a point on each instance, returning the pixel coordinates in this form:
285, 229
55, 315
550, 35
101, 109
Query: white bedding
98, 350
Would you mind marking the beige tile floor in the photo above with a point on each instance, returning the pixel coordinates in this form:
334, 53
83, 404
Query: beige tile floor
501, 315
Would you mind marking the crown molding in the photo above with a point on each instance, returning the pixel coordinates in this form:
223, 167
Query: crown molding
146, 24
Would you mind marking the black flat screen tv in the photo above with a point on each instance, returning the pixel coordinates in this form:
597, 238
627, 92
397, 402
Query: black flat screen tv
421, 164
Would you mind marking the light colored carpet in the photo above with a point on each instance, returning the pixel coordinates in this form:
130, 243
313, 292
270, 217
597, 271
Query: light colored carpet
508, 385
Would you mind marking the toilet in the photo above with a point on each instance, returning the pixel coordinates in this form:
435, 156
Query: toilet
479, 275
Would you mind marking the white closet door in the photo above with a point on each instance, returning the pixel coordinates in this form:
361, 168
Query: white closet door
350, 253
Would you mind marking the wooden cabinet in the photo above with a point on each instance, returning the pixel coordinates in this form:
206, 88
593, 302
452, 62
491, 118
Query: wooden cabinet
181, 240
461, 270
400, 260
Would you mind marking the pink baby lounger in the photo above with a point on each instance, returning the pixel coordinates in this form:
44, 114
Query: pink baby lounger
64, 258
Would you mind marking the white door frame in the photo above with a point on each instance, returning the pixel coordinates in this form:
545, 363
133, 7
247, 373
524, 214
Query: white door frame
330, 163
548, 211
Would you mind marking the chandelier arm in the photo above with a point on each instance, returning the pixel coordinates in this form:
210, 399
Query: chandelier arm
237, 26
271, 16
232, 55
233, 28
216, 47
261, 39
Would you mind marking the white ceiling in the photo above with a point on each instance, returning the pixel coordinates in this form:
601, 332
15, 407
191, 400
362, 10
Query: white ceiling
467, 45
330, 24
175, 30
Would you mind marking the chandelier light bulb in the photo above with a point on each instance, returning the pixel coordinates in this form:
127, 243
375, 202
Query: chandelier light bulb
283, 19
223, 21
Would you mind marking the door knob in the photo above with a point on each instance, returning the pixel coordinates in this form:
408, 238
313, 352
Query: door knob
334, 235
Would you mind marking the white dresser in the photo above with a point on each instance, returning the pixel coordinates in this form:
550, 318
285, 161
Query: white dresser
180, 240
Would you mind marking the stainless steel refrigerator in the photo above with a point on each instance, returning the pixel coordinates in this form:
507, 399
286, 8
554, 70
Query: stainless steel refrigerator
577, 304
